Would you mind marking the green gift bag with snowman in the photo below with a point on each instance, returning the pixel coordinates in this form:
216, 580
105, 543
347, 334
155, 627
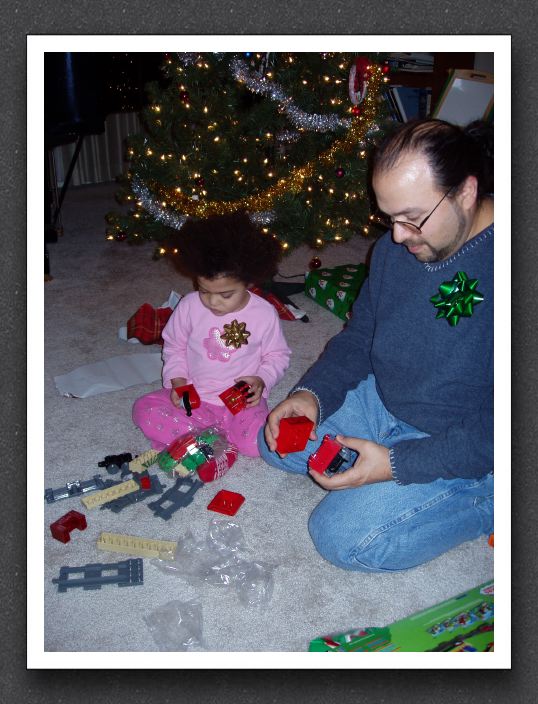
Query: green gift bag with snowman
336, 288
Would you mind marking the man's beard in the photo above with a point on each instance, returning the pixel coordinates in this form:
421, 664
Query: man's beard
437, 255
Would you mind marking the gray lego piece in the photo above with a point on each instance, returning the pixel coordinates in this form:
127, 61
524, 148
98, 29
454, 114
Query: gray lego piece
116, 505
128, 573
77, 488
178, 496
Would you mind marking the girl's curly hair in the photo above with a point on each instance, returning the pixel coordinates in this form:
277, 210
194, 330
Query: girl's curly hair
226, 245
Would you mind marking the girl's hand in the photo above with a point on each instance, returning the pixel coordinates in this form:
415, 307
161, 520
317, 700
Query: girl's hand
257, 385
178, 382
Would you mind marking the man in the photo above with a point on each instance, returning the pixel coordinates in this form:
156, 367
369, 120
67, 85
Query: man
408, 383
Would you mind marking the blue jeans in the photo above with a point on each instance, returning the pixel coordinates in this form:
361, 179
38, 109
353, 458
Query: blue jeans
387, 527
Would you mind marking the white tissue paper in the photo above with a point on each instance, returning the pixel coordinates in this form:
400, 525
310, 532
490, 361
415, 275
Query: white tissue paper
110, 375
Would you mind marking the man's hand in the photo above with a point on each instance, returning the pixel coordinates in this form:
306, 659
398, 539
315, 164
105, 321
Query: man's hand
301, 403
257, 385
371, 466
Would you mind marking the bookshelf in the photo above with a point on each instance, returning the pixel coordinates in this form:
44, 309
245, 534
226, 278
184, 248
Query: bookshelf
443, 62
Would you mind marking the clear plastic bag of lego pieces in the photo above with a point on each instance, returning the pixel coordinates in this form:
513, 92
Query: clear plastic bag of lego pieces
177, 626
224, 454
203, 450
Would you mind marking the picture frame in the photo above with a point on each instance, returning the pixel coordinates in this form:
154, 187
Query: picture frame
467, 96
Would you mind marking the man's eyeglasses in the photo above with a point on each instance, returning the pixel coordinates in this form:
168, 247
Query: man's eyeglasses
389, 223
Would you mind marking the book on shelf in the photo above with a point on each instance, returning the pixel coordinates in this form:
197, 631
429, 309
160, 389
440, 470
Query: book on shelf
391, 107
408, 61
411, 103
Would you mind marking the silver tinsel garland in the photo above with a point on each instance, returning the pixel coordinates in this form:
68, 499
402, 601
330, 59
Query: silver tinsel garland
171, 219
149, 204
259, 84
287, 136
187, 58
264, 217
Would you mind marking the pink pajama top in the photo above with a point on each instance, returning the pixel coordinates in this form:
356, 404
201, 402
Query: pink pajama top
194, 349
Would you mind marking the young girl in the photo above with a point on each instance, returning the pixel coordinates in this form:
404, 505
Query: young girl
218, 335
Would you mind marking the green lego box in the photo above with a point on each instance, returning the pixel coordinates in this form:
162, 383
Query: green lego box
336, 289
462, 624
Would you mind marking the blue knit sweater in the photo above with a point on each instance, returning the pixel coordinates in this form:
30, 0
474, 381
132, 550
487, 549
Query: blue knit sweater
437, 377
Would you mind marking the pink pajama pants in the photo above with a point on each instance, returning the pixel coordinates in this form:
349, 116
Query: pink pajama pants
161, 422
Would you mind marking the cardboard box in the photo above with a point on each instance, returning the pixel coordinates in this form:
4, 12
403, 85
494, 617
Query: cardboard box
462, 624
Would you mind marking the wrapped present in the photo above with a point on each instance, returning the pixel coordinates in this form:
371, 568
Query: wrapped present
336, 288
462, 624
286, 309
147, 324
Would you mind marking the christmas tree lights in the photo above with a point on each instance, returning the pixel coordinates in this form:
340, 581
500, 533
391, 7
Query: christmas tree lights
283, 136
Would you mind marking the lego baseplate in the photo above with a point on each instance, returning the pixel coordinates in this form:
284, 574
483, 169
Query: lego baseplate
127, 573
178, 496
76, 488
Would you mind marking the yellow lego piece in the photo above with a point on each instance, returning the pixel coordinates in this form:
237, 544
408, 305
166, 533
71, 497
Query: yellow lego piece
113, 492
133, 545
143, 461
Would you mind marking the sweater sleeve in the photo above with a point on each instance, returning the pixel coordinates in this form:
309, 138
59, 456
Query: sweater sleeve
175, 335
346, 358
463, 450
275, 354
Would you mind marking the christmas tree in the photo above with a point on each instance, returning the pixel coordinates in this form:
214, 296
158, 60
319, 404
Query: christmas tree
283, 136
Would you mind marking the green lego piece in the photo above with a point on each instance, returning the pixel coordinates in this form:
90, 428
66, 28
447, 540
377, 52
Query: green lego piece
191, 462
208, 437
166, 462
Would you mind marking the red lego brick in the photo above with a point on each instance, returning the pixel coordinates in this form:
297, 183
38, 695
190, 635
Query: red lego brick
293, 434
191, 400
326, 455
227, 502
145, 483
180, 447
61, 528
235, 398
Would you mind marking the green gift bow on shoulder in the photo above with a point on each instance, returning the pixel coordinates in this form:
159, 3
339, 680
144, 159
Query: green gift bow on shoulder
456, 298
